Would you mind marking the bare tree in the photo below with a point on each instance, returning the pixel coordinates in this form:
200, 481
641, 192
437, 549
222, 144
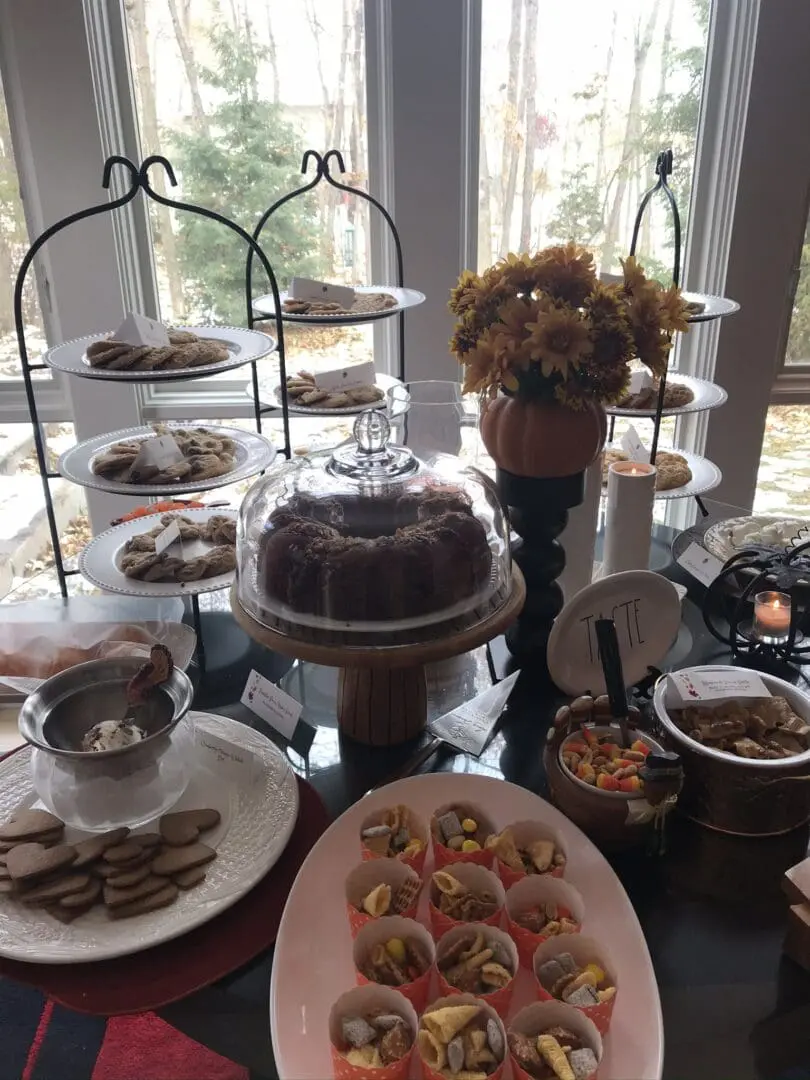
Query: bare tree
666, 54
530, 113
326, 194
180, 23
151, 137
272, 55
485, 200
603, 114
511, 148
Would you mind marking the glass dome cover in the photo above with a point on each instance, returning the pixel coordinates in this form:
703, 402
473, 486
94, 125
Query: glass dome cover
368, 537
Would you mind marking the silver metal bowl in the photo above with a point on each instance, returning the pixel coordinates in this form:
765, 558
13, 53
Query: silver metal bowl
57, 715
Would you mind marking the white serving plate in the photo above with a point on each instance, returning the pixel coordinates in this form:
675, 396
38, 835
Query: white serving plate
253, 454
312, 965
705, 476
708, 395
99, 560
717, 538
243, 346
270, 394
258, 816
406, 298
715, 307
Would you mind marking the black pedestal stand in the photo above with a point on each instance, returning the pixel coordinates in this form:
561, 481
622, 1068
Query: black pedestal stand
538, 513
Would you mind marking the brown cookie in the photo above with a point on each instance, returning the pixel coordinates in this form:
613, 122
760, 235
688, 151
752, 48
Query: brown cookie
115, 897
167, 895
55, 890
176, 860
129, 877
30, 861
147, 840
83, 899
89, 850
65, 914
122, 854
185, 826
29, 824
189, 878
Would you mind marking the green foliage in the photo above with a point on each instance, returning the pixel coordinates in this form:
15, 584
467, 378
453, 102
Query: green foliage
798, 346
248, 158
579, 214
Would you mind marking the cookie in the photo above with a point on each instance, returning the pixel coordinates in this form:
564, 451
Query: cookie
87, 851
30, 861
187, 879
167, 895
676, 395
129, 877
185, 826
55, 890
29, 824
83, 899
66, 914
147, 840
116, 897
672, 471
176, 860
121, 854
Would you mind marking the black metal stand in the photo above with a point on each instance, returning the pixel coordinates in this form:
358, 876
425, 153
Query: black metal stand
138, 181
322, 173
538, 513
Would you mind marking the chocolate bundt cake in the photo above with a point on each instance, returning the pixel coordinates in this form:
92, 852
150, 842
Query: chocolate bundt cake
362, 559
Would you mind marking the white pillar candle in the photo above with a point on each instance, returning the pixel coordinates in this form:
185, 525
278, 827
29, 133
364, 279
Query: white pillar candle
628, 519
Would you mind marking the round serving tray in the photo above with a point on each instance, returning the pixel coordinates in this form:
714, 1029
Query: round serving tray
708, 395
717, 538
270, 396
406, 298
715, 307
254, 453
243, 347
705, 477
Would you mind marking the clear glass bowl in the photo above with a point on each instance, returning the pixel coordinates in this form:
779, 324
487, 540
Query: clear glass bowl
370, 538
129, 790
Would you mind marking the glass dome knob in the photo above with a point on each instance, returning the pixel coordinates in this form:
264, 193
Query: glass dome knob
372, 431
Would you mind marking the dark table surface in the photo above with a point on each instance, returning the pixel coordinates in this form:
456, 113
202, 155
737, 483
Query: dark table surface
712, 911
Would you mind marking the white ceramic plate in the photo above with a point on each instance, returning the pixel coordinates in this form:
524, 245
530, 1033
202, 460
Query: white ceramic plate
99, 560
714, 307
270, 394
312, 964
406, 298
243, 346
647, 611
718, 537
253, 454
708, 395
258, 817
705, 477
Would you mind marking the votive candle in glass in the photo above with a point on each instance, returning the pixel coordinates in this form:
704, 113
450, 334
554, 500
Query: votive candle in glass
772, 617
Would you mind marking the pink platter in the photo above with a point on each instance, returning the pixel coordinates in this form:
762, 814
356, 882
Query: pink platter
313, 955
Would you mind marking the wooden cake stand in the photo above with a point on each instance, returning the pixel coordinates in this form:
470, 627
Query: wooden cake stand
382, 688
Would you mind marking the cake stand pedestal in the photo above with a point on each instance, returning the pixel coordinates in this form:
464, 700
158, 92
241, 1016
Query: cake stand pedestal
382, 688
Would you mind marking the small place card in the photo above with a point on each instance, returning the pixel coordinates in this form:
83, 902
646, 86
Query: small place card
222, 757
700, 563
302, 288
639, 380
690, 686
346, 378
140, 330
271, 704
165, 539
634, 447
161, 452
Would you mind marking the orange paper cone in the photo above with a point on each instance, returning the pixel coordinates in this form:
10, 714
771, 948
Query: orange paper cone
530, 891
584, 951
534, 1019
465, 999
525, 832
379, 931
359, 1002
366, 876
442, 855
499, 999
477, 879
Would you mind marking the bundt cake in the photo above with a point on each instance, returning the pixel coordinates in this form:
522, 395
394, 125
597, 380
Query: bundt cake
350, 558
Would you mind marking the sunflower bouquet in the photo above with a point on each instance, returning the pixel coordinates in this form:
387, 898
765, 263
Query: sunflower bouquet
544, 326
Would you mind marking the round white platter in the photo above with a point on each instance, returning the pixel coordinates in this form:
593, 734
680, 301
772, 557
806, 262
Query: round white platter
258, 817
714, 307
718, 537
405, 298
708, 395
253, 454
314, 927
705, 477
243, 346
270, 393
99, 560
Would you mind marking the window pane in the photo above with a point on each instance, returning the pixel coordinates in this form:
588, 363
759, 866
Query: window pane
798, 346
233, 94
783, 481
13, 245
576, 101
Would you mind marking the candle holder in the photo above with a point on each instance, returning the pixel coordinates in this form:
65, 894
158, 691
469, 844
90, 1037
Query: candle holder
778, 587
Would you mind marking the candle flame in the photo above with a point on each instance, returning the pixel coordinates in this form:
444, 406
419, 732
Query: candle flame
776, 603
634, 471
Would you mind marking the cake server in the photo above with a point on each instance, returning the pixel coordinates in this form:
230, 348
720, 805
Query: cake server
614, 674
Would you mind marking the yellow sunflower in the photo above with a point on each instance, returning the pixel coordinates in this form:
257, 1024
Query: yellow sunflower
634, 276
480, 369
565, 272
559, 338
463, 295
674, 310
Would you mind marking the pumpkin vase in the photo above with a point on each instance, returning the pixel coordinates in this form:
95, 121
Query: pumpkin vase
542, 439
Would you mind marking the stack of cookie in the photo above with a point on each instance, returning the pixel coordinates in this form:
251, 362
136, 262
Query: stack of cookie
672, 470
364, 304
676, 395
129, 874
206, 455
303, 389
141, 561
185, 350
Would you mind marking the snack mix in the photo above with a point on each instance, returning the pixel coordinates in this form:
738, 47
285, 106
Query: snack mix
375, 1040
766, 728
461, 1039
383, 901
567, 981
393, 835
476, 963
548, 919
599, 761
457, 901
536, 857
556, 1054
396, 962
458, 831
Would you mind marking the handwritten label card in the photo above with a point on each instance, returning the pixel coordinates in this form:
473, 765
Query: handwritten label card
140, 330
639, 380
346, 378
239, 764
700, 564
160, 453
270, 703
633, 446
691, 686
302, 288
169, 536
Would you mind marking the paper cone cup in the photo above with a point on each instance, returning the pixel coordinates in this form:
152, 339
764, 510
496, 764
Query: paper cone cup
477, 879
585, 951
542, 1015
418, 830
359, 1002
464, 999
499, 999
378, 931
442, 855
525, 832
530, 891
367, 876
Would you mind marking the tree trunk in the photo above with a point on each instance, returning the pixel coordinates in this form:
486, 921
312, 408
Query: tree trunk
198, 117
326, 193
631, 132
272, 55
603, 114
485, 252
511, 150
529, 93
666, 54
151, 138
